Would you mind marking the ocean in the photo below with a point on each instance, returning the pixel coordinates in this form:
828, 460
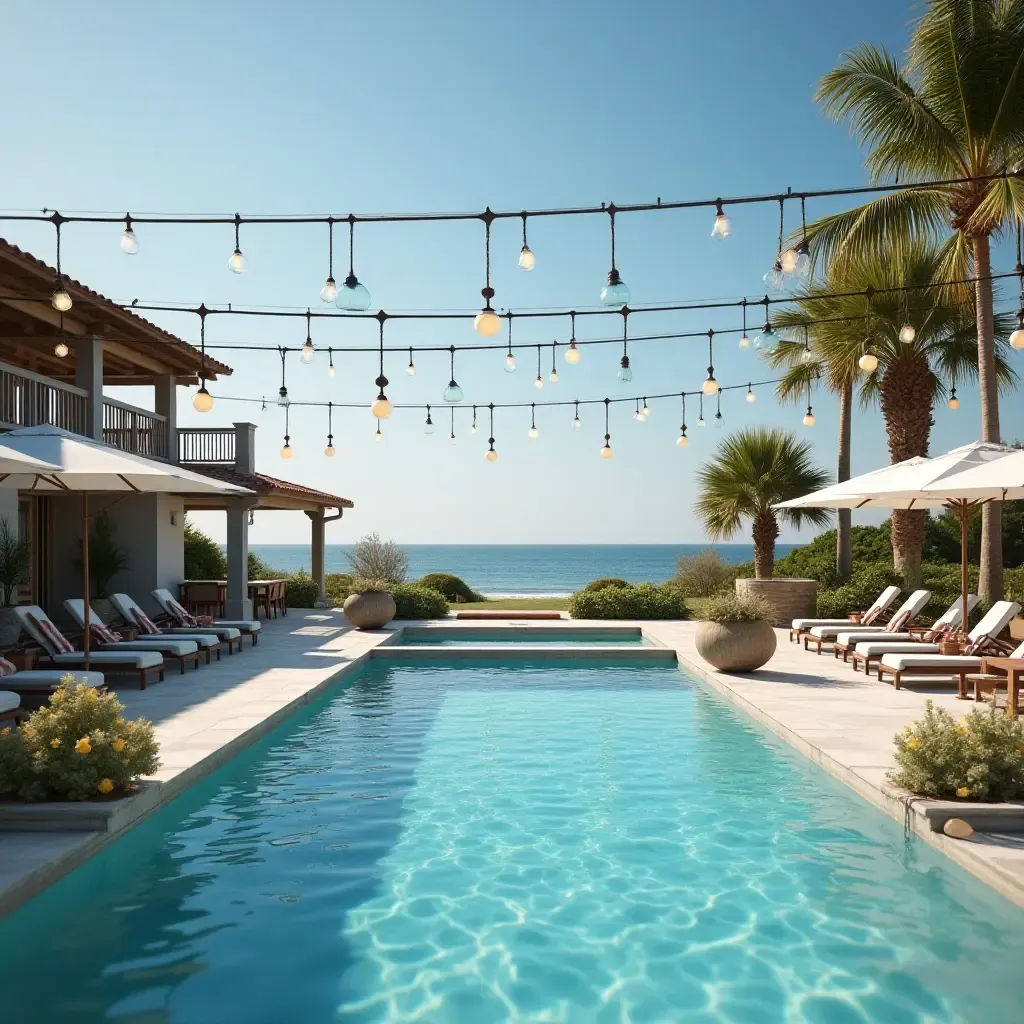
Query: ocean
525, 570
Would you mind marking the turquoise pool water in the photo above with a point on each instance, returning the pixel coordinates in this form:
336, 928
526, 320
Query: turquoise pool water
554, 637
485, 843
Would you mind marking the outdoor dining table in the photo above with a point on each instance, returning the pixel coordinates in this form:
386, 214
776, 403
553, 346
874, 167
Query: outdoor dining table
258, 590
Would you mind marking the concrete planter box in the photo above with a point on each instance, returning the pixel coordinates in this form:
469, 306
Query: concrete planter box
789, 599
370, 610
735, 646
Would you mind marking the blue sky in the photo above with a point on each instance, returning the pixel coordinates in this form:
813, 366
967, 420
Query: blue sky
324, 107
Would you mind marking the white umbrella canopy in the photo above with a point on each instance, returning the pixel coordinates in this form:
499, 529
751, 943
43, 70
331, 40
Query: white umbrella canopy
12, 461
997, 479
857, 491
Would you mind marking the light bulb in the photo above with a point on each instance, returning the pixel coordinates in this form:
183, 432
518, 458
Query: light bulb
129, 243
751, 397
286, 451
452, 393
710, 386
378, 437
775, 278
238, 264
329, 292
722, 227
60, 350
645, 411
539, 382
451, 438
625, 374
683, 441
60, 300
329, 450
203, 400
807, 356
954, 402
803, 260
487, 323
744, 342
789, 258
572, 353
615, 292
381, 407
411, 369
282, 398
553, 377
352, 295
527, 261
510, 363
1017, 338
606, 451
576, 423
306, 355
638, 416
533, 433
491, 456
330, 370
472, 428
766, 338
428, 425
700, 421
719, 420
868, 362
809, 418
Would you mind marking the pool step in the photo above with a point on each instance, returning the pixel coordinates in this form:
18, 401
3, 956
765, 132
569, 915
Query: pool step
511, 614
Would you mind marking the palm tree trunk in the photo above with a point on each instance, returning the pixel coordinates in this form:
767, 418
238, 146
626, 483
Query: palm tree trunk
844, 522
766, 531
907, 410
991, 581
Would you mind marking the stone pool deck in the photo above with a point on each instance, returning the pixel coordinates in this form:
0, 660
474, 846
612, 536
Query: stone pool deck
844, 722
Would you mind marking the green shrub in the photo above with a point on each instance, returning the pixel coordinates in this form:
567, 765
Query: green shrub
376, 559
451, 587
732, 608
1013, 580
981, 758
76, 747
338, 586
204, 559
866, 583
702, 575
640, 601
605, 582
301, 590
259, 570
415, 602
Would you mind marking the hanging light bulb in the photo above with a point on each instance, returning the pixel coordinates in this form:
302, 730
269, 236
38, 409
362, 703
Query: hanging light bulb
472, 426
282, 394
625, 374
576, 421
378, 437
527, 261
744, 339
381, 407
776, 277
491, 455
237, 263
60, 350
306, 355
722, 227
329, 292
700, 414
330, 365
954, 402
129, 243
809, 415
636, 412
553, 377
329, 450
682, 440
286, 450
606, 451
452, 393
539, 382
487, 322
719, 421
411, 368
710, 386
615, 292
751, 397
510, 359
60, 300
203, 400
533, 433
868, 362
766, 338
352, 295
802, 263
789, 261
428, 423
1017, 338
907, 334
645, 412
572, 353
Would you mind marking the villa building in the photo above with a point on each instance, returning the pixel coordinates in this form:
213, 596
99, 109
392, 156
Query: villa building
53, 370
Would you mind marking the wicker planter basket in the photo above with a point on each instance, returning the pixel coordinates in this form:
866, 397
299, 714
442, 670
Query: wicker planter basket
370, 610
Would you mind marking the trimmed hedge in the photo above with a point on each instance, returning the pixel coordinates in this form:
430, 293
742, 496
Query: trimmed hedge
639, 601
866, 583
415, 602
605, 582
301, 590
452, 588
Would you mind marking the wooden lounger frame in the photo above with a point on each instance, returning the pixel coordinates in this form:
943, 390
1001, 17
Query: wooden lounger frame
1000, 647
883, 619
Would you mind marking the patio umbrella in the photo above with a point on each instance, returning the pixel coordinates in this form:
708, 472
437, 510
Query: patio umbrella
12, 461
82, 465
917, 483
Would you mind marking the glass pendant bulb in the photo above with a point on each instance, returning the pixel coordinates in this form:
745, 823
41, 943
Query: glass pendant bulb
527, 260
411, 368
638, 415
606, 451
744, 341
306, 355
286, 450
353, 296
722, 227
576, 423
381, 407
282, 397
700, 421
491, 455
553, 378
625, 374
452, 393
60, 350
775, 278
533, 433
472, 428
329, 292
615, 292
129, 243
645, 411
809, 420
710, 386
807, 356
1017, 338
487, 322
329, 450
803, 260
954, 402
238, 264
789, 258
60, 300
868, 362
719, 420
451, 438
907, 334
751, 397
572, 354
510, 363
203, 400
378, 437
766, 338
428, 424
682, 440
539, 382
330, 369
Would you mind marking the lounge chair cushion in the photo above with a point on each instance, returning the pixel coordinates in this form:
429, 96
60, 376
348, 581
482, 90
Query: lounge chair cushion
908, 662
848, 639
138, 659
831, 632
808, 623
245, 625
9, 701
178, 646
42, 679
205, 636
878, 649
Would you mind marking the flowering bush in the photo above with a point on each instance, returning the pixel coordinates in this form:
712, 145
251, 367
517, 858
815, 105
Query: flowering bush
981, 758
76, 747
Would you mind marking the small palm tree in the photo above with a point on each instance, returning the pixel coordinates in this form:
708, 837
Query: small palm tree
754, 470
954, 110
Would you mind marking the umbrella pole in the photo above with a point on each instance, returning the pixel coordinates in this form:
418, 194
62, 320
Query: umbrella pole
85, 576
964, 513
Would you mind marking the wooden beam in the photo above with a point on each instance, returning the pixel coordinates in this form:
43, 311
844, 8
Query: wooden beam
47, 314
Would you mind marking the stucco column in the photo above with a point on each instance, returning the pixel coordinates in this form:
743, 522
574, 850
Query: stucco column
165, 402
316, 520
89, 377
238, 604
245, 448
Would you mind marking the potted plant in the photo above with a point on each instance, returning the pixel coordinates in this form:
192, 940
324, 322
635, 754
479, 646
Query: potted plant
106, 560
13, 575
734, 633
369, 606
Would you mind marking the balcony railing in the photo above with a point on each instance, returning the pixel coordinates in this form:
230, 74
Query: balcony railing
28, 399
134, 430
206, 444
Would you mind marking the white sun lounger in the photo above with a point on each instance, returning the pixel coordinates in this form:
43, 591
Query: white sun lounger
37, 684
130, 610
10, 705
176, 613
880, 606
955, 665
35, 622
903, 616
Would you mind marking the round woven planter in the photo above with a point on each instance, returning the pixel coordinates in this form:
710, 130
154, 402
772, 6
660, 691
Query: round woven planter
735, 646
789, 599
370, 610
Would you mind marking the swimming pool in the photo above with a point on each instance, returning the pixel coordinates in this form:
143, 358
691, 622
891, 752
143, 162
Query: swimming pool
476, 841
515, 635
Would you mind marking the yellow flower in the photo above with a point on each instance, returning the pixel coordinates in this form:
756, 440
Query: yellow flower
913, 743
55, 742
961, 730
104, 785
118, 745
83, 746
963, 791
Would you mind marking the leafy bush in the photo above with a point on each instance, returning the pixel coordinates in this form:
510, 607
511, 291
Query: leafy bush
301, 590
866, 583
451, 587
338, 586
604, 582
1013, 580
76, 747
376, 559
981, 758
640, 601
732, 608
415, 602
14, 559
702, 575
259, 570
204, 559
363, 586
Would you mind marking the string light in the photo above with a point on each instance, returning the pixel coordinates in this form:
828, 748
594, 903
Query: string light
553, 378
381, 407
1017, 337
625, 374
60, 299
722, 227
237, 263
452, 393
527, 260
329, 450
572, 353
606, 451
744, 340
472, 426
766, 339
533, 433
954, 402
282, 395
710, 386
129, 243
487, 321
751, 397
615, 292
428, 423
682, 440
576, 421
510, 359
286, 449
907, 334
809, 415
868, 362
636, 412
451, 438
645, 412
807, 356
718, 412
700, 414
491, 455
776, 277
352, 296
330, 364
329, 292
378, 437
306, 355
411, 368
802, 264
539, 382
203, 400
60, 350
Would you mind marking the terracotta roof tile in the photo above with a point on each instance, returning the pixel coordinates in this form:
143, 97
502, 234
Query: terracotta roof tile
263, 484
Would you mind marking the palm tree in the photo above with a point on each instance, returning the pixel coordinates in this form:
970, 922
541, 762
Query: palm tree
908, 376
954, 110
753, 470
